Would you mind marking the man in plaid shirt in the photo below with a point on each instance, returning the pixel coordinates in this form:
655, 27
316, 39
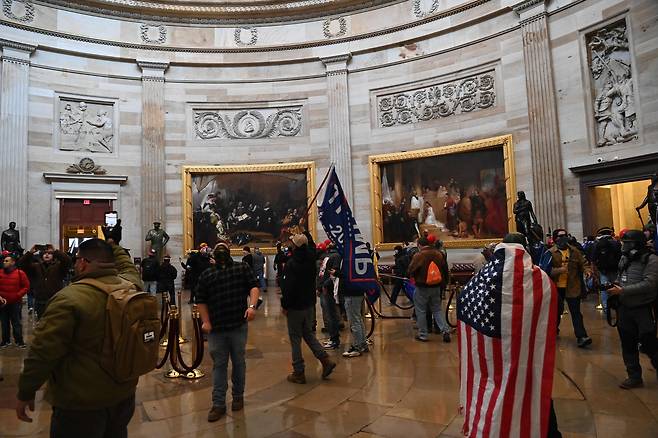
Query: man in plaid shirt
221, 294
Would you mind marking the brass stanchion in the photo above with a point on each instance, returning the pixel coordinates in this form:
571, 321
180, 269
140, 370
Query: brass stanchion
164, 319
600, 305
173, 352
181, 338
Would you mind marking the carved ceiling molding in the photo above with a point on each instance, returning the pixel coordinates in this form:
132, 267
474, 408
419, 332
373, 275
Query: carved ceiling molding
325, 42
342, 29
28, 17
244, 12
256, 123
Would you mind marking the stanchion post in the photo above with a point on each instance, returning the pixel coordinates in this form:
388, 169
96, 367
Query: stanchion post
181, 339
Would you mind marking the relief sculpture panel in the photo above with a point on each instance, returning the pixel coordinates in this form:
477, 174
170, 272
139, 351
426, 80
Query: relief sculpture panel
248, 123
86, 126
437, 101
612, 85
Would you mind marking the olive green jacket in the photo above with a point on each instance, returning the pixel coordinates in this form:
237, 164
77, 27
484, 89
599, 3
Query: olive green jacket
68, 341
576, 267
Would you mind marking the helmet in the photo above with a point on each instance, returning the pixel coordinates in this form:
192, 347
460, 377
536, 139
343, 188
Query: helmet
633, 241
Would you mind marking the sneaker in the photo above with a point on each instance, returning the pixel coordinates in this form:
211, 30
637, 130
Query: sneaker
330, 345
297, 378
22, 345
5, 345
421, 338
30, 310
365, 349
216, 413
584, 342
631, 383
237, 404
352, 352
446, 338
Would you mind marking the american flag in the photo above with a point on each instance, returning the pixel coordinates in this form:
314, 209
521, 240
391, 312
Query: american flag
507, 327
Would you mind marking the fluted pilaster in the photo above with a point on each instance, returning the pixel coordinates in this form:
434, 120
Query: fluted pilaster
340, 148
153, 147
542, 111
14, 86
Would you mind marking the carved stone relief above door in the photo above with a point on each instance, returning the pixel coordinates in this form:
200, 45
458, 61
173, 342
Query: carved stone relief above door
86, 124
612, 84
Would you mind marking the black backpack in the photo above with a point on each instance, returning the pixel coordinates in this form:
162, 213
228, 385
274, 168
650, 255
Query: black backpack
607, 254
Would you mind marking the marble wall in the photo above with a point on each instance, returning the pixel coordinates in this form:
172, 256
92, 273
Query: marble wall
384, 50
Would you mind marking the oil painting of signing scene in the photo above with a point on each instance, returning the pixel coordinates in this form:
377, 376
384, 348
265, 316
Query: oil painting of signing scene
461, 194
257, 205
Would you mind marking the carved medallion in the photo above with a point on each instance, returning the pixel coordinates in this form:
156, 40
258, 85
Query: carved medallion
146, 32
420, 12
612, 85
87, 166
437, 101
238, 36
11, 9
329, 27
248, 123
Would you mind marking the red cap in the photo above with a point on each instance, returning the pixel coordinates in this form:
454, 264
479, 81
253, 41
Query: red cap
622, 232
431, 238
327, 242
322, 246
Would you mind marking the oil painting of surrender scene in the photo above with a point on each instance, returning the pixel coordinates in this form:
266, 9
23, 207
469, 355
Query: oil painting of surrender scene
255, 205
462, 194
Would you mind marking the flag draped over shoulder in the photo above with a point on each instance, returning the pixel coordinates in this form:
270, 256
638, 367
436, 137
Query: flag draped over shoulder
507, 328
339, 224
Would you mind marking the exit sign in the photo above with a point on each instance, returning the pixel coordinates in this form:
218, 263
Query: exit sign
86, 202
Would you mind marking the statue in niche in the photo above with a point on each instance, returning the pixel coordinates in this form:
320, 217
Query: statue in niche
81, 130
526, 221
11, 239
614, 104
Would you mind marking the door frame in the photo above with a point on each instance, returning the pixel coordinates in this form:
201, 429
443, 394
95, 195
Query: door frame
610, 172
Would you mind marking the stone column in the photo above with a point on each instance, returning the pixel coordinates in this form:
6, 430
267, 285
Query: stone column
14, 97
542, 113
340, 146
153, 147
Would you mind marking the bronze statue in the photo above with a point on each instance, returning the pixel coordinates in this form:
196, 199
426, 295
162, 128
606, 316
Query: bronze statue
158, 238
651, 199
11, 239
526, 221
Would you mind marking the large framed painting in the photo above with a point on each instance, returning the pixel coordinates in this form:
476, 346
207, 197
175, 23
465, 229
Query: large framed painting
247, 205
463, 194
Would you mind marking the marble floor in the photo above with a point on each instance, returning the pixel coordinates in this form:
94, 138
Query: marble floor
402, 388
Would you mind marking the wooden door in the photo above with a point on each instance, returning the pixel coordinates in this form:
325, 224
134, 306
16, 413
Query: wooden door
80, 219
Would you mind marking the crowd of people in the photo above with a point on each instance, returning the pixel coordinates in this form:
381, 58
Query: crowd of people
623, 269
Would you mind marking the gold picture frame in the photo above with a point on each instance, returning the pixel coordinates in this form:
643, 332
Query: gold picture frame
188, 172
503, 142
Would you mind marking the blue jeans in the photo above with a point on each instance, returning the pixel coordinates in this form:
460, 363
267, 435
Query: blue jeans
603, 279
261, 281
221, 345
431, 296
353, 310
151, 287
330, 313
30, 299
300, 324
10, 315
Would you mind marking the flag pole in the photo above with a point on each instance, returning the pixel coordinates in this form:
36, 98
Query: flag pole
317, 192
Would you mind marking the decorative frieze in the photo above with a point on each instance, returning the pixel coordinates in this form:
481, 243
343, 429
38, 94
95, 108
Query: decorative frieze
86, 166
437, 101
86, 125
329, 27
248, 123
239, 38
609, 62
11, 9
153, 34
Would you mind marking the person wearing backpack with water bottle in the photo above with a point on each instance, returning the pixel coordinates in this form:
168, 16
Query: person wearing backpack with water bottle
96, 337
428, 268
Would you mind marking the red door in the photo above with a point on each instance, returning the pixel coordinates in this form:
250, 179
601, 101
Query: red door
80, 218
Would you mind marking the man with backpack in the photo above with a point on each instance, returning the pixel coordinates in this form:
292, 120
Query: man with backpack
636, 290
402, 261
605, 256
150, 271
79, 344
429, 269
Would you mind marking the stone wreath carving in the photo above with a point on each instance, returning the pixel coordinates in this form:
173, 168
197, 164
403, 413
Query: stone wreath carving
237, 36
87, 166
282, 122
612, 80
28, 17
418, 9
144, 33
437, 101
342, 30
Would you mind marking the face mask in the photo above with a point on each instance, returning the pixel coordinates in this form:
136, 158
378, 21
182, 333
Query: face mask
562, 242
222, 257
628, 248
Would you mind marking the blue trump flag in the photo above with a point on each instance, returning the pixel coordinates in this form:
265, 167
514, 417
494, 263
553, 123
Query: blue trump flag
358, 270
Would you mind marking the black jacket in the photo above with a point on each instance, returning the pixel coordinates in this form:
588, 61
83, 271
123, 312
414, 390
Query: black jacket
298, 280
150, 268
639, 281
166, 276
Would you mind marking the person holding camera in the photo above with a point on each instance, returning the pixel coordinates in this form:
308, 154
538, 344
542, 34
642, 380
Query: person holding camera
634, 294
